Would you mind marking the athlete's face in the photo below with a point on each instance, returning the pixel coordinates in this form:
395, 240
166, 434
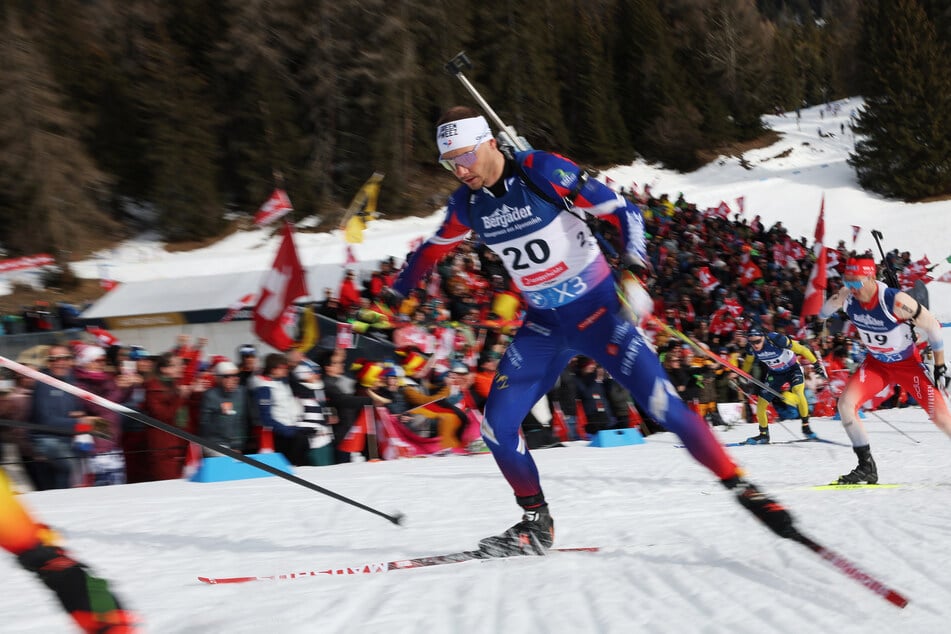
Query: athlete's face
860, 286
756, 342
478, 165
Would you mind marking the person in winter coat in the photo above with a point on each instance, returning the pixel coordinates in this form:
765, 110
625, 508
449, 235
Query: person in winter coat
166, 399
279, 411
224, 414
106, 464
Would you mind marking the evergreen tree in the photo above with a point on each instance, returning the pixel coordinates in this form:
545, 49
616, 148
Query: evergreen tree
905, 126
51, 191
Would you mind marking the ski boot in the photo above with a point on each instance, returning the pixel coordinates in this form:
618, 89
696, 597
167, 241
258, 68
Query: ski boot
766, 509
532, 536
760, 439
864, 472
807, 432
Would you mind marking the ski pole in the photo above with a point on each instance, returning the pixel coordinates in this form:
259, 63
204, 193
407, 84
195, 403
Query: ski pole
508, 134
851, 570
707, 353
726, 364
890, 276
184, 435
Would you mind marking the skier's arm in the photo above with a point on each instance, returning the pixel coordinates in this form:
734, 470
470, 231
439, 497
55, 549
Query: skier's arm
834, 303
906, 308
803, 351
447, 237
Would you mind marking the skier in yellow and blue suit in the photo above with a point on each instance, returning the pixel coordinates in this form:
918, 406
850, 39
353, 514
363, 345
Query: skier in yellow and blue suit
779, 354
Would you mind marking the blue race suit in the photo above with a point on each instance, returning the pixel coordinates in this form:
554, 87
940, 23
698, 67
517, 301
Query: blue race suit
573, 307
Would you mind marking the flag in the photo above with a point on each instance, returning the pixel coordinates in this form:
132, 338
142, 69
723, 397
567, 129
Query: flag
356, 438
273, 208
750, 273
281, 286
362, 210
945, 278
350, 257
235, 306
815, 289
855, 233
353, 232
708, 281
103, 336
740, 203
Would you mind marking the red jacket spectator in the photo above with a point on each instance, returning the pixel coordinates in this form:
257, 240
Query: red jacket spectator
166, 401
348, 295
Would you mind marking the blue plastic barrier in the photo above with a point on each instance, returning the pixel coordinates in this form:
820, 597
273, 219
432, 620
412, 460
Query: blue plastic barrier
223, 468
617, 438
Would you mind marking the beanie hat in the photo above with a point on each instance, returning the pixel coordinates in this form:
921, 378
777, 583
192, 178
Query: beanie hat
88, 354
225, 367
411, 359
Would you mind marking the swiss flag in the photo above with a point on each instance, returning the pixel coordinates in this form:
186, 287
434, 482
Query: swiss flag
707, 280
815, 289
273, 208
281, 286
103, 336
750, 274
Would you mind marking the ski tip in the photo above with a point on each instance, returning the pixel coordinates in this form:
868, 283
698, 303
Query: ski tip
397, 518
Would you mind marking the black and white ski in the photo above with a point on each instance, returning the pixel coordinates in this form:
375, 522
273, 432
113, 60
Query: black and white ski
387, 566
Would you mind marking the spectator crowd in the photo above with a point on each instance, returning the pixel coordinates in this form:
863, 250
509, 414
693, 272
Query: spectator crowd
712, 278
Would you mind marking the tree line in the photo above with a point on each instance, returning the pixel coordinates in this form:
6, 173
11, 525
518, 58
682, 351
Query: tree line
189, 109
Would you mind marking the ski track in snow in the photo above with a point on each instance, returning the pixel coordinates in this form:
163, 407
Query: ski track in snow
679, 554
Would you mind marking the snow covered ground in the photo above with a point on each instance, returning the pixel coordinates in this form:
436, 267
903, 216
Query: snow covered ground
680, 555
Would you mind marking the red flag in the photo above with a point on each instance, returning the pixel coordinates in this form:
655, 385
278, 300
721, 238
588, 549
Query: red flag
855, 233
350, 257
273, 208
235, 306
815, 289
356, 438
281, 286
945, 278
740, 203
707, 280
103, 336
750, 273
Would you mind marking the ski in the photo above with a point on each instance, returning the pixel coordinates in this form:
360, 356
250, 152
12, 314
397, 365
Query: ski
788, 442
387, 566
833, 486
780, 442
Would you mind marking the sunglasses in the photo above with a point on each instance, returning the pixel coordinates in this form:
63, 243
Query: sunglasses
466, 159
853, 284
60, 357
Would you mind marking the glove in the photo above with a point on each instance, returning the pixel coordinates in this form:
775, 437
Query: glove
941, 378
639, 266
820, 369
766, 509
639, 301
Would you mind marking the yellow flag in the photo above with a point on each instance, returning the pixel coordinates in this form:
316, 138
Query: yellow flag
353, 233
362, 210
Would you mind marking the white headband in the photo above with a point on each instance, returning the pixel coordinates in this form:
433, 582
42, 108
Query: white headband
462, 133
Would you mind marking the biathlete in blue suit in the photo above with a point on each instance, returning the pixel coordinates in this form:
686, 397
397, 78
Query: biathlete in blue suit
519, 207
